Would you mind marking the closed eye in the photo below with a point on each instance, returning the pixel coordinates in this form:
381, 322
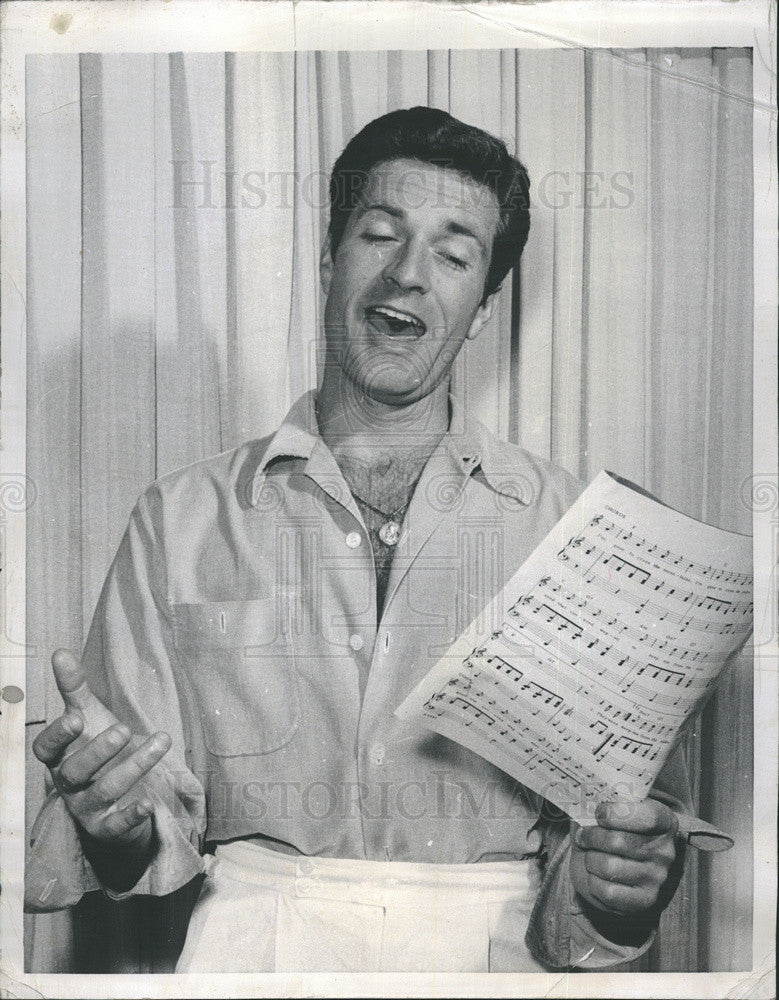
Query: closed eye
457, 262
377, 238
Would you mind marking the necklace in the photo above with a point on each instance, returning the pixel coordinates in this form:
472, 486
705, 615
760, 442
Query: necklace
389, 532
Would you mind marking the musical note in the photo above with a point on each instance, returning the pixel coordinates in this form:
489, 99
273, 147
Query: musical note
504, 668
627, 568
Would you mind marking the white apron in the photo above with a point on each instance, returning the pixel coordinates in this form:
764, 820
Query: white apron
262, 911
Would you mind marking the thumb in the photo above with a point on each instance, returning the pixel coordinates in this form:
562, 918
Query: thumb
71, 680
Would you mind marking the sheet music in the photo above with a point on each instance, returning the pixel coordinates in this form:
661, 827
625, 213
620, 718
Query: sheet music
614, 632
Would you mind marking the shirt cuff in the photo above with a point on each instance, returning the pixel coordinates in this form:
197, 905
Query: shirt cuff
57, 872
589, 949
560, 936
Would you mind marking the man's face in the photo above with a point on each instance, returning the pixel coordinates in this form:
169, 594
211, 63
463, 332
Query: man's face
406, 286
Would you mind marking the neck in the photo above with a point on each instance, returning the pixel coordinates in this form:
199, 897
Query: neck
357, 428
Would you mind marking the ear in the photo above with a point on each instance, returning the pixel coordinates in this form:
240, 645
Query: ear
483, 316
326, 265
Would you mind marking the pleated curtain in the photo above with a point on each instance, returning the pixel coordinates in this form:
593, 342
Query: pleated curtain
176, 209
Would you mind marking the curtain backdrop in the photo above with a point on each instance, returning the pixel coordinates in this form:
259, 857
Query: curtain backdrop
176, 208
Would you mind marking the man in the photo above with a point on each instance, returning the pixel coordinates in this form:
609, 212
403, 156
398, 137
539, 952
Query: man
268, 609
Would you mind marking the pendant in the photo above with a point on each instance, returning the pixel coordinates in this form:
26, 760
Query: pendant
389, 533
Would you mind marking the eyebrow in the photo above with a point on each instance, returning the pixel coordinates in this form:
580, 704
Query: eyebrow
455, 228
396, 213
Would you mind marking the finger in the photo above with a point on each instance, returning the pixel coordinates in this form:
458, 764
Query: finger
648, 817
80, 767
50, 745
637, 846
623, 871
619, 898
119, 780
121, 821
71, 679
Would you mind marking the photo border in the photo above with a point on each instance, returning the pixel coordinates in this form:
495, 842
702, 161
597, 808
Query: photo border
75, 26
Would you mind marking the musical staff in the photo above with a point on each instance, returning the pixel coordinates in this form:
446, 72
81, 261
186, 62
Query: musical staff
667, 557
641, 604
620, 632
721, 621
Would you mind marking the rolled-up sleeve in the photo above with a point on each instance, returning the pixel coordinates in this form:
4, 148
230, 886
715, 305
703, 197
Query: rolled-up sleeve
560, 935
130, 661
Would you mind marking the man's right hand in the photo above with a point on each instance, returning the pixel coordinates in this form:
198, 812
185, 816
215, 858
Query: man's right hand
98, 768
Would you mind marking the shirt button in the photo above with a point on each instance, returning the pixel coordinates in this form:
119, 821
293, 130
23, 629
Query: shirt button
378, 753
304, 886
354, 539
306, 866
355, 641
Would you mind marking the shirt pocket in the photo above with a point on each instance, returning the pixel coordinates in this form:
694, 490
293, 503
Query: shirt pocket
242, 670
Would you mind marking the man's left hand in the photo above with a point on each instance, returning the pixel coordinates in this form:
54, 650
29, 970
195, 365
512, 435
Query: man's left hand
623, 864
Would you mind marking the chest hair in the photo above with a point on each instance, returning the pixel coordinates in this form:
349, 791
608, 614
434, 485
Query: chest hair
385, 479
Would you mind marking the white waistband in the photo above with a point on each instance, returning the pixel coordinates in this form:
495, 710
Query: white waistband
378, 882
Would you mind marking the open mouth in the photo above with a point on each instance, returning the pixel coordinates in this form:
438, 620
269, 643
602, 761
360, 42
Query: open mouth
395, 323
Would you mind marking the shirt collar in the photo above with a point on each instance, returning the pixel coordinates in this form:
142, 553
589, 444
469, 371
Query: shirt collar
475, 450
298, 434
471, 447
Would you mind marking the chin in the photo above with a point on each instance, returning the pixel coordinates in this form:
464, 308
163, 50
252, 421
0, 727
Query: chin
393, 394
386, 377
396, 382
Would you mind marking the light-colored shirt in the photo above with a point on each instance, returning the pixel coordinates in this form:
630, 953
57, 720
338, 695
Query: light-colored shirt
239, 615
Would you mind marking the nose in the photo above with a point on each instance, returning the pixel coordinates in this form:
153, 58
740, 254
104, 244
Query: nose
408, 268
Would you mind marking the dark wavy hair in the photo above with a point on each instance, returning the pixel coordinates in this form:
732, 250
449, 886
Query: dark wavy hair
435, 137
